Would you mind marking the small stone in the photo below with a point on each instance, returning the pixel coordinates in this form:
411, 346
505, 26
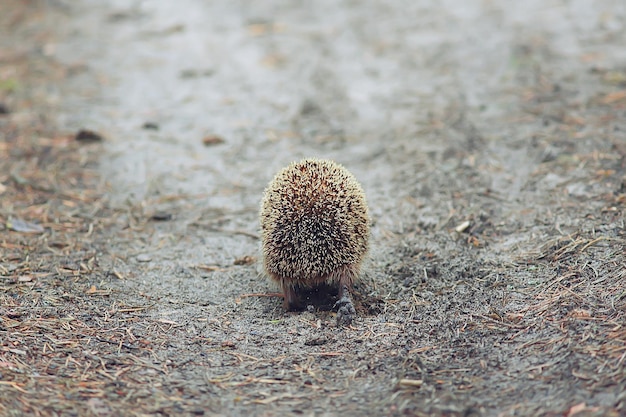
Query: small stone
316, 341
144, 258
85, 135
150, 126
161, 216
24, 226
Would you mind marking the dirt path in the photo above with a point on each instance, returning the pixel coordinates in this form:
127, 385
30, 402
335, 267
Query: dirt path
491, 145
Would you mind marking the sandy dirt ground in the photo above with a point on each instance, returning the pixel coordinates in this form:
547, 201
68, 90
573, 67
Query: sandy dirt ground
137, 137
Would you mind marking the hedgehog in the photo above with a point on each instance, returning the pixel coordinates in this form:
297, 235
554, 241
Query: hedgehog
314, 231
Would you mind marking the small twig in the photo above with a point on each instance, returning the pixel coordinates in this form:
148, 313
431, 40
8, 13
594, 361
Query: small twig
325, 353
512, 326
124, 345
270, 294
232, 232
14, 385
594, 241
132, 309
410, 383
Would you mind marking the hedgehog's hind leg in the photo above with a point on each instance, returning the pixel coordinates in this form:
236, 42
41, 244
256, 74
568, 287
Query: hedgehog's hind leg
291, 300
345, 308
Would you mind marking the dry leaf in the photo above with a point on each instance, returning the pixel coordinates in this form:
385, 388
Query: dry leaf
244, 260
576, 409
212, 140
613, 97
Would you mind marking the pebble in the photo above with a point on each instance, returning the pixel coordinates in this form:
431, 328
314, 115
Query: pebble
143, 258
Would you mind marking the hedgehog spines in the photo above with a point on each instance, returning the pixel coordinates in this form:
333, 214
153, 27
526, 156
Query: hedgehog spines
314, 226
